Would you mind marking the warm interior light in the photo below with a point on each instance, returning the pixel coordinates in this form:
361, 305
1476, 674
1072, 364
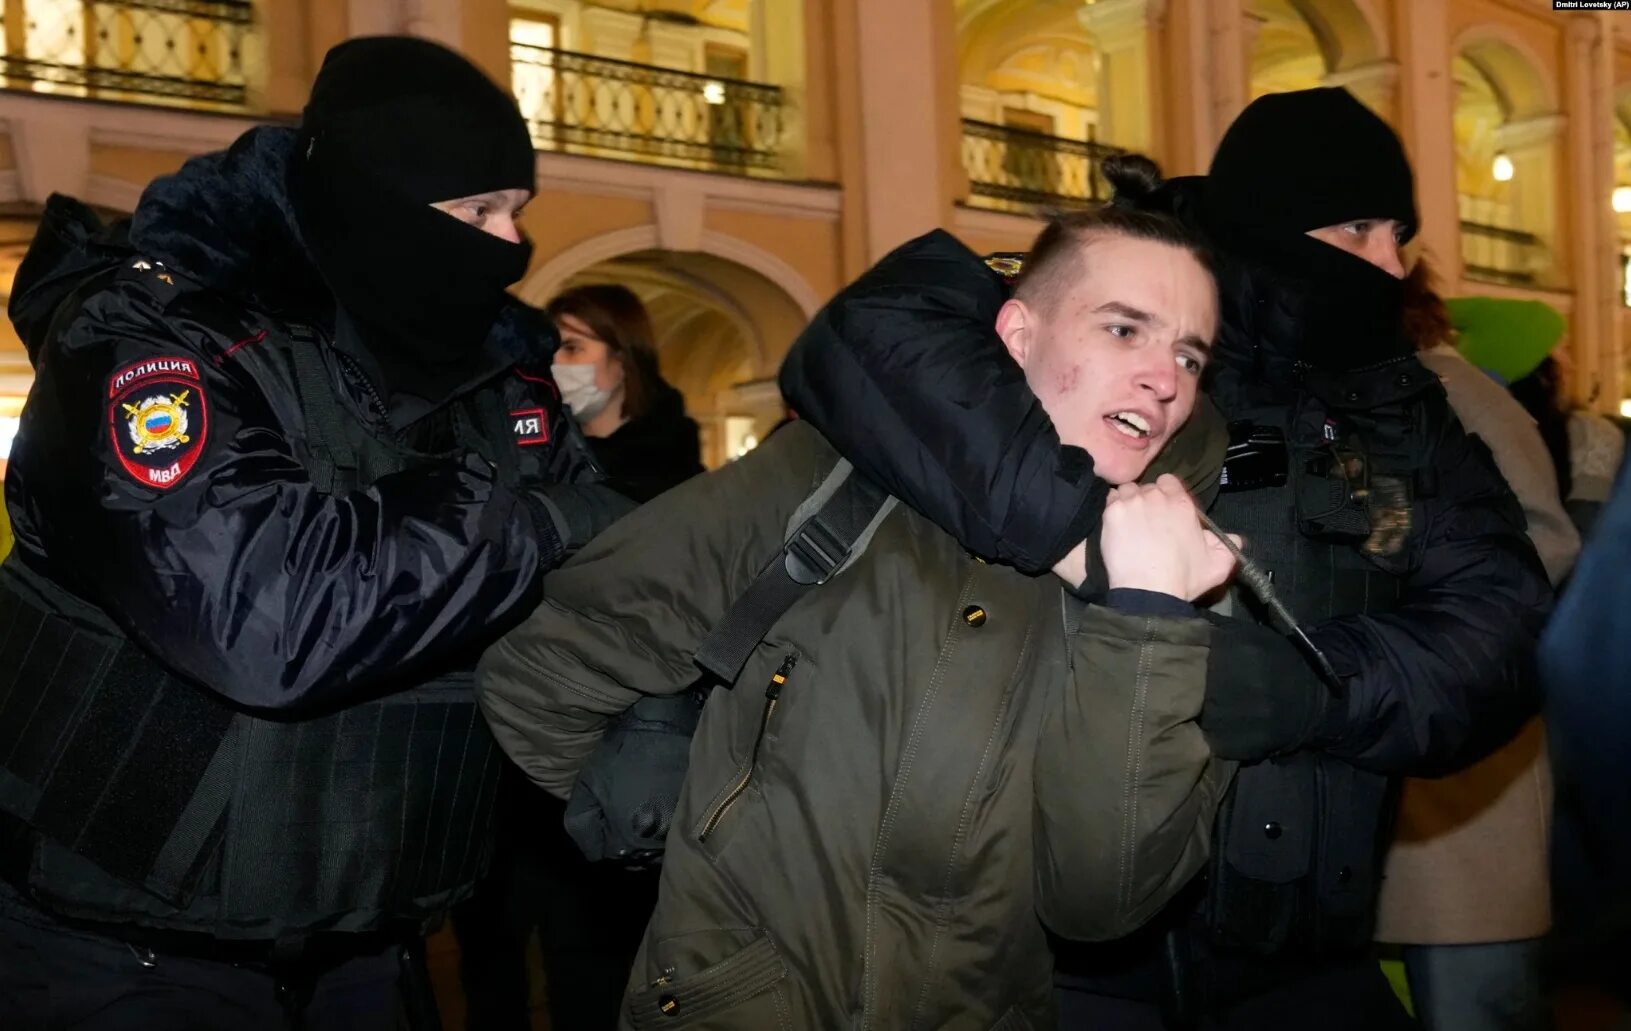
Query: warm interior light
1622, 199
1501, 168
713, 92
10, 410
1625, 408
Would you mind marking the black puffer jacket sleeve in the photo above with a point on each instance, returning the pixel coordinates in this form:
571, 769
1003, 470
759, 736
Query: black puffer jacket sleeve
905, 375
1449, 674
215, 552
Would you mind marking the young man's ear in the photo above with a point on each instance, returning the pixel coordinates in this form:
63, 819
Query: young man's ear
1016, 325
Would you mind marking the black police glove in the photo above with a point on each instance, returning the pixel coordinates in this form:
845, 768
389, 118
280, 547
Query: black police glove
570, 515
625, 796
1263, 697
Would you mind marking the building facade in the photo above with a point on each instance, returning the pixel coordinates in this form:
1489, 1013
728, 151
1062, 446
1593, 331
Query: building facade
736, 161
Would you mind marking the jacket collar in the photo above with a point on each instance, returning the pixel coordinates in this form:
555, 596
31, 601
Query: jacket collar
226, 222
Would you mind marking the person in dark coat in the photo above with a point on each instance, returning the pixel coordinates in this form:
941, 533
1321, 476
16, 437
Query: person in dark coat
607, 369
292, 458
1391, 533
1585, 659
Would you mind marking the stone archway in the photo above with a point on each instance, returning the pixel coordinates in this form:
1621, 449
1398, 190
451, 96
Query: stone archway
545, 281
1029, 66
1507, 133
1301, 44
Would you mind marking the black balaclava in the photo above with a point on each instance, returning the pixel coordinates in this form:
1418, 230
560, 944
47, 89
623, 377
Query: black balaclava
1293, 162
394, 124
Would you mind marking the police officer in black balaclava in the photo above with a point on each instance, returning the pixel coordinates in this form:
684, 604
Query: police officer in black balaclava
1388, 533
380, 169
292, 459
1310, 198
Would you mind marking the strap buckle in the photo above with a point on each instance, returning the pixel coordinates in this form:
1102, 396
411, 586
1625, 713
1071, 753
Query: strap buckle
815, 553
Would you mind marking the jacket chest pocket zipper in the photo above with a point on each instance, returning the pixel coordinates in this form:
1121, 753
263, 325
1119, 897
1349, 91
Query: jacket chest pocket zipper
773, 691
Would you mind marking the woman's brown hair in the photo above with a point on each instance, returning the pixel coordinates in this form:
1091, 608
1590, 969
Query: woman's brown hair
616, 317
1426, 319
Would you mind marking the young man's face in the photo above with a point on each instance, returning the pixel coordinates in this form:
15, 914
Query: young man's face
1116, 355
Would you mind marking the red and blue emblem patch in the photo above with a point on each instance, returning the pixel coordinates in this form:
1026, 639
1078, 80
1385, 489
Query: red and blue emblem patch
157, 420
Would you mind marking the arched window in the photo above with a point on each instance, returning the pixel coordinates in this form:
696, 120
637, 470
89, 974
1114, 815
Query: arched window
1301, 44
1030, 97
1506, 146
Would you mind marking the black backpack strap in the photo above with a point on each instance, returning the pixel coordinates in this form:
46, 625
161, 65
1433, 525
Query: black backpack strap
829, 530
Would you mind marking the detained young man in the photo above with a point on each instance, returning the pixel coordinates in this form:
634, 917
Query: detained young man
931, 761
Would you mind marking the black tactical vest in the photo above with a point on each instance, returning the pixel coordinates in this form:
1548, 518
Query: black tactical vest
1300, 839
130, 796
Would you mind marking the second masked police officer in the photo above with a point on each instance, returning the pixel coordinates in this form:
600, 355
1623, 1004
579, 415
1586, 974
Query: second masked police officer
291, 459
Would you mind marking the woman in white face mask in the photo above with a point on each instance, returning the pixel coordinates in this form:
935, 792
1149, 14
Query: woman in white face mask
607, 371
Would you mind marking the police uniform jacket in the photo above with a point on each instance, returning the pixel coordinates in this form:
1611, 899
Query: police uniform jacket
248, 586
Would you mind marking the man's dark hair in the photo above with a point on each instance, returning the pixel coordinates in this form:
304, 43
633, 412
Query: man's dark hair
1055, 256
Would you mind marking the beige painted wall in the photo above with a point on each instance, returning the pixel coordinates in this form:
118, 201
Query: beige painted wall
809, 245
984, 241
135, 165
557, 221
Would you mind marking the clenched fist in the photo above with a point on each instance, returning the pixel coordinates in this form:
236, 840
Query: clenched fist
1152, 540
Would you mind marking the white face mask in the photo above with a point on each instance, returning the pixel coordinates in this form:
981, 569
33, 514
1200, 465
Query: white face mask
578, 390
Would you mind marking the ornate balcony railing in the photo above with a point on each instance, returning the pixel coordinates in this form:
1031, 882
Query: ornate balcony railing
596, 105
175, 50
1017, 167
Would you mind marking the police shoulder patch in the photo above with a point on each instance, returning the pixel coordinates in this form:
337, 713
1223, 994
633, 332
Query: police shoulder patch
157, 419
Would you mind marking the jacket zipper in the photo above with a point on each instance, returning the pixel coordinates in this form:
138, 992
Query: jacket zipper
367, 383
773, 691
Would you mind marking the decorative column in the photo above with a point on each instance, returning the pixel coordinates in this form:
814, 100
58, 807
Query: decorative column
1236, 41
1427, 107
1588, 83
374, 17
479, 31
910, 135
1208, 55
280, 53
1130, 90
